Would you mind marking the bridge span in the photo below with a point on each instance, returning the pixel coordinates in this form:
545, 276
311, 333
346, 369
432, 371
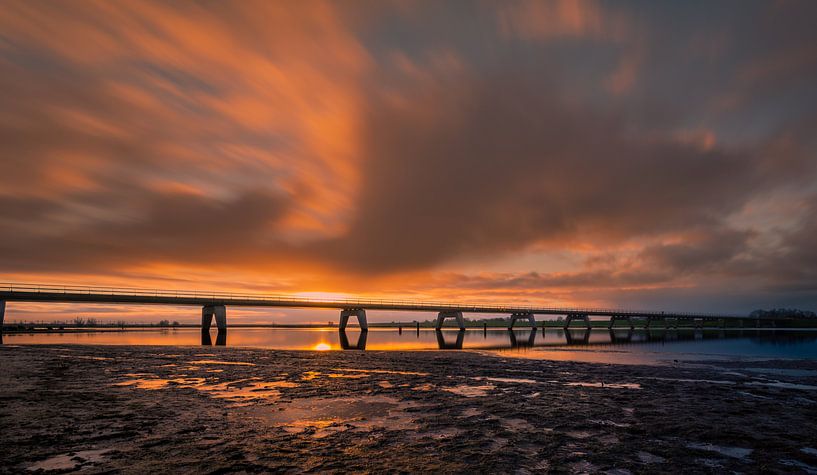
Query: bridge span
214, 304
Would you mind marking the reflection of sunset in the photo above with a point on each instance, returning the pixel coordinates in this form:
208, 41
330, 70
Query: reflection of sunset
322, 347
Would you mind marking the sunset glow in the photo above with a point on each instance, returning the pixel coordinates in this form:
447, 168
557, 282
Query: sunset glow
563, 153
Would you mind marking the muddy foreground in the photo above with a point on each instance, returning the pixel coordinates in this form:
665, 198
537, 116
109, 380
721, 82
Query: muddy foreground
188, 409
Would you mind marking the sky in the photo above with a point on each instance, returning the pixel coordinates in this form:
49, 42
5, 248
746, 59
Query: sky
643, 155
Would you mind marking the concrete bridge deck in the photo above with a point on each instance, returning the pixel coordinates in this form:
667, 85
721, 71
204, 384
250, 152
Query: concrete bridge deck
214, 305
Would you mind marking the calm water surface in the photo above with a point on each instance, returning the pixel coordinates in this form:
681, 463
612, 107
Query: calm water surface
598, 345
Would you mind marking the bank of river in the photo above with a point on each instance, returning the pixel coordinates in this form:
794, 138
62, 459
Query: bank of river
140, 409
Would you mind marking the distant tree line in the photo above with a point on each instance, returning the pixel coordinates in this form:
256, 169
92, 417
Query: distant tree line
783, 313
80, 322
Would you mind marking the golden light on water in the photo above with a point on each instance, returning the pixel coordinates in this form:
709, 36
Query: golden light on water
322, 347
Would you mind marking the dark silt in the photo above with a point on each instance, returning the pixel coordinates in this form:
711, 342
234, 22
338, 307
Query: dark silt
220, 409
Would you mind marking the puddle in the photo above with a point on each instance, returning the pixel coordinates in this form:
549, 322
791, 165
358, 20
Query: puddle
810, 469
734, 452
783, 372
69, 461
470, 391
82, 357
385, 384
506, 380
782, 385
609, 423
255, 390
159, 383
379, 371
809, 451
646, 457
350, 376
748, 394
310, 375
327, 415
604, 385
423, 387
241, 389
236, 363
771, 384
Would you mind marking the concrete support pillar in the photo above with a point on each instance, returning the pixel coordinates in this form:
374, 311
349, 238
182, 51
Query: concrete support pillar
206, 317
442, 316
522, 316
619, 317
357, 312
221, 318
210, 311
577, 316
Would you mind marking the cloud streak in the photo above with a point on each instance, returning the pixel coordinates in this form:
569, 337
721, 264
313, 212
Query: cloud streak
382, 149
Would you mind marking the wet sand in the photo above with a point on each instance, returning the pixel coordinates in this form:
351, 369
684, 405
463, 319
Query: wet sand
192, 409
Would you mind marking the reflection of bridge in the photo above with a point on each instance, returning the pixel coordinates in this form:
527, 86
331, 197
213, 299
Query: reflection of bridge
214, 304
454, 339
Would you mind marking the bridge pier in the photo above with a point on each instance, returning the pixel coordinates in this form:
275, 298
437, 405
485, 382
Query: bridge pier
357, 312
2, 316
520, 316
619, 317
577, 316
210, 311
442, 316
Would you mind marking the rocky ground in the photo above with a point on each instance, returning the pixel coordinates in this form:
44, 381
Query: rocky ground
189, 409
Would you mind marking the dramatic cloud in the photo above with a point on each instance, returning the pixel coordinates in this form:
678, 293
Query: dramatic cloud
554, 152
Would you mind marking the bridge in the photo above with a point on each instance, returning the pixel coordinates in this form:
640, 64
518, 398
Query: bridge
214, 304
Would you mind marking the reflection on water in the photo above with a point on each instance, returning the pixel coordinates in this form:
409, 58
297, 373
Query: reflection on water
344, 341
622, 345
221, 338
522, 343
443, 344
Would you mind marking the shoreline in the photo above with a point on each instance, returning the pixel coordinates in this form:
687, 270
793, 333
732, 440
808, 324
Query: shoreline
170, 409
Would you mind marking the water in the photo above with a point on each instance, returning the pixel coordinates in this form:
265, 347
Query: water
599, 345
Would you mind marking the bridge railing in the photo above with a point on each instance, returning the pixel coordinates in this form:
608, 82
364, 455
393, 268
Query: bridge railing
227, 297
